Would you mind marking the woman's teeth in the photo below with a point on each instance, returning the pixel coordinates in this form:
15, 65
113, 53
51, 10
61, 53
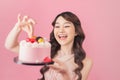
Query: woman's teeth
62, 36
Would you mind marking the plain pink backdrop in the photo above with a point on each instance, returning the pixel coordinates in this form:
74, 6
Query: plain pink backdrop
101, 23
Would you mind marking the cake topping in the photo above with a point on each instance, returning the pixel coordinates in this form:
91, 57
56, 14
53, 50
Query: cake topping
32, 40
35, 42
35, 39
40, 39
47, 59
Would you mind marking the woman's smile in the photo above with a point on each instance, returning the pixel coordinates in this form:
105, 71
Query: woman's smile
62, 36
64, 31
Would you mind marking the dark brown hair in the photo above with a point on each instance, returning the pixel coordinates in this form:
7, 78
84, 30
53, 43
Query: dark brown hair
78, 51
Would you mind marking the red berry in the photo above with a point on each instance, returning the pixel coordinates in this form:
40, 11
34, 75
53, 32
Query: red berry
32, 40
28, 40
47, 59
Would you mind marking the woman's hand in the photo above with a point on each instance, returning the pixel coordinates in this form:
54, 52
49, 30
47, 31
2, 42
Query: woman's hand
62, 68
25, 24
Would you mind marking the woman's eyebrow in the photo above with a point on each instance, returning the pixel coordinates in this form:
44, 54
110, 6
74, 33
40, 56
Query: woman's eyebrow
68, 22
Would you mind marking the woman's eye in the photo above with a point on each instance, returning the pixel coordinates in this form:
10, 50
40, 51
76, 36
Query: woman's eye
66, 26
56, 26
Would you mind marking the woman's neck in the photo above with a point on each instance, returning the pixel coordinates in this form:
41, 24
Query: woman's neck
66, 49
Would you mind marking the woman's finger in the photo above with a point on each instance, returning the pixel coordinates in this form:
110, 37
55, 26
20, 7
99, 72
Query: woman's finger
19, 17
31, 21
25, 18
31, 31
54, 67
57, 68
58, 61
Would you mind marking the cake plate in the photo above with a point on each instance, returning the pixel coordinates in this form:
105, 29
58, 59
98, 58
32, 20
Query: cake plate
16, 60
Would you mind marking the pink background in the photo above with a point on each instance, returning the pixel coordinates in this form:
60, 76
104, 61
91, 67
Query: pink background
100, 21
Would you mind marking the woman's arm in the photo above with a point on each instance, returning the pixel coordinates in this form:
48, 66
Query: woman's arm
11, 42
88, 63
25, 24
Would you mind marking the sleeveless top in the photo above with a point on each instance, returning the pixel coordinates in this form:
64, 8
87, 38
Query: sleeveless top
52, 74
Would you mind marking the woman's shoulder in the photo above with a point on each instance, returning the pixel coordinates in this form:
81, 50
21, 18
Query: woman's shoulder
88, 61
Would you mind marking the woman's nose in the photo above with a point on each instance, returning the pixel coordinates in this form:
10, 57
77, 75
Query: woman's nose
61, 29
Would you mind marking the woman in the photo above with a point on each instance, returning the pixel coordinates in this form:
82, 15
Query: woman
66, 38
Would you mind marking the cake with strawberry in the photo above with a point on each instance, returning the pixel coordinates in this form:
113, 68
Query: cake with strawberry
34, 50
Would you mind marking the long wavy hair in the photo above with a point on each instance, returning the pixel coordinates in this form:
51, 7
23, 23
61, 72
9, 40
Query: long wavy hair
77, 49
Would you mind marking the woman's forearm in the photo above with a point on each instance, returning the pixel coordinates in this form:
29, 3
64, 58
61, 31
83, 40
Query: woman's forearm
11, 42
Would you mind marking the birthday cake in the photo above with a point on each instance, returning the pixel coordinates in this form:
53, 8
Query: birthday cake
34, 50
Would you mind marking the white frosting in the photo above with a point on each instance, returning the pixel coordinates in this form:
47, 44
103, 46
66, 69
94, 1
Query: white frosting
34, 52
35, 44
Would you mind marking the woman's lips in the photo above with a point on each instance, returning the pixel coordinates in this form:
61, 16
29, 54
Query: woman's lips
62, 37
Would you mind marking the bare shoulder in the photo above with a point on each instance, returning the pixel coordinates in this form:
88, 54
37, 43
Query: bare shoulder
88, 61
87, 65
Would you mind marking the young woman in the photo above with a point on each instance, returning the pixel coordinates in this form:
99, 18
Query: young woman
66, 38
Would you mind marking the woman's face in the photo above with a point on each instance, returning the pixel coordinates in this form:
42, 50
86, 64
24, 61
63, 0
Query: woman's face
64, 31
